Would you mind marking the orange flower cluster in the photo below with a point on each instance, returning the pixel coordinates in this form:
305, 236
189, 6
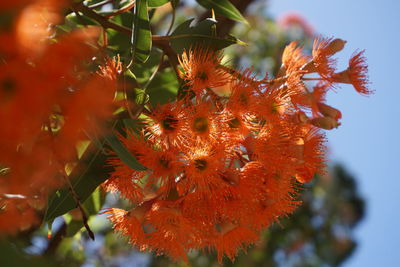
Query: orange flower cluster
48, 98
220, 169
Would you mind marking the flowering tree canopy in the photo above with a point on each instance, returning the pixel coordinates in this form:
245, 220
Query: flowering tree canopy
107, 96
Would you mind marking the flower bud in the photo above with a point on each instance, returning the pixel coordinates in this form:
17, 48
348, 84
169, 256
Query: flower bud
326, 123
335, 46
329, 111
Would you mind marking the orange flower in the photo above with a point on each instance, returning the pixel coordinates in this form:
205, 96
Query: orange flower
200, 122
356, 74
310, 156
323, 50
222, 169
165, 124
125, 181
201, 69
232, 238
9, 5
169, 231
203, 164
129, 223
33, 26
293, 59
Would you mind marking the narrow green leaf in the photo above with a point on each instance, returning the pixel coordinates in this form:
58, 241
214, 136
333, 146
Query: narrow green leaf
123, 153
186, 36
223, 8
141, 34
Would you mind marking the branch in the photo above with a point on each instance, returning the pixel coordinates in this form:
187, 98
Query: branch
158, 41
104, 22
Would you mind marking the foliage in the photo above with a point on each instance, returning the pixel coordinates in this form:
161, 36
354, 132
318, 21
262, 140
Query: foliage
108, 96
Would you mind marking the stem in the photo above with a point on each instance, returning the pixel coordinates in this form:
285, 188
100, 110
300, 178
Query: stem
99, 18
312, 79
122, 9
79, 205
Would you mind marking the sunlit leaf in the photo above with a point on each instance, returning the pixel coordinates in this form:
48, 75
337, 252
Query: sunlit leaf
224, 8
186, 36
157, 3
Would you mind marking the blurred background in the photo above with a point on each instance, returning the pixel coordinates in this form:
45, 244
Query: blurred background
349, 215
366, 142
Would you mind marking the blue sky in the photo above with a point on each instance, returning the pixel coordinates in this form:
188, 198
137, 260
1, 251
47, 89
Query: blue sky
367, 142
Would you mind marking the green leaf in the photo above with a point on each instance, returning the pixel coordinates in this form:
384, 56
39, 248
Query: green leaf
143, 71
73, 227
141, 34
157, 3
223, 8
91, 171
163, 88
185, 36
123, 153
94, 203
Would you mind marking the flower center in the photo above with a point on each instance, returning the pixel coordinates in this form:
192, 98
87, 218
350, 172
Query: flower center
200, 125
164, 163
202, 75
169, 123
234, 123
200, 164
8, 87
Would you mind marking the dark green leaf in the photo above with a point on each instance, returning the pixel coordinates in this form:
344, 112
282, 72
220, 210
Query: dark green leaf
143, 71
163, 88
223, 8
123, 153
185, 36
141, 32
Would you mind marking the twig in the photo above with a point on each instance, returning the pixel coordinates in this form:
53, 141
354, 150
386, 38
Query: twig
99, 18
79, 205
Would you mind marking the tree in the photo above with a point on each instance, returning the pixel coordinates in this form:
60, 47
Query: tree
150, 110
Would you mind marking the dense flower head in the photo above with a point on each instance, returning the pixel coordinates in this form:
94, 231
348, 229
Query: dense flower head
201, 69
232, 165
